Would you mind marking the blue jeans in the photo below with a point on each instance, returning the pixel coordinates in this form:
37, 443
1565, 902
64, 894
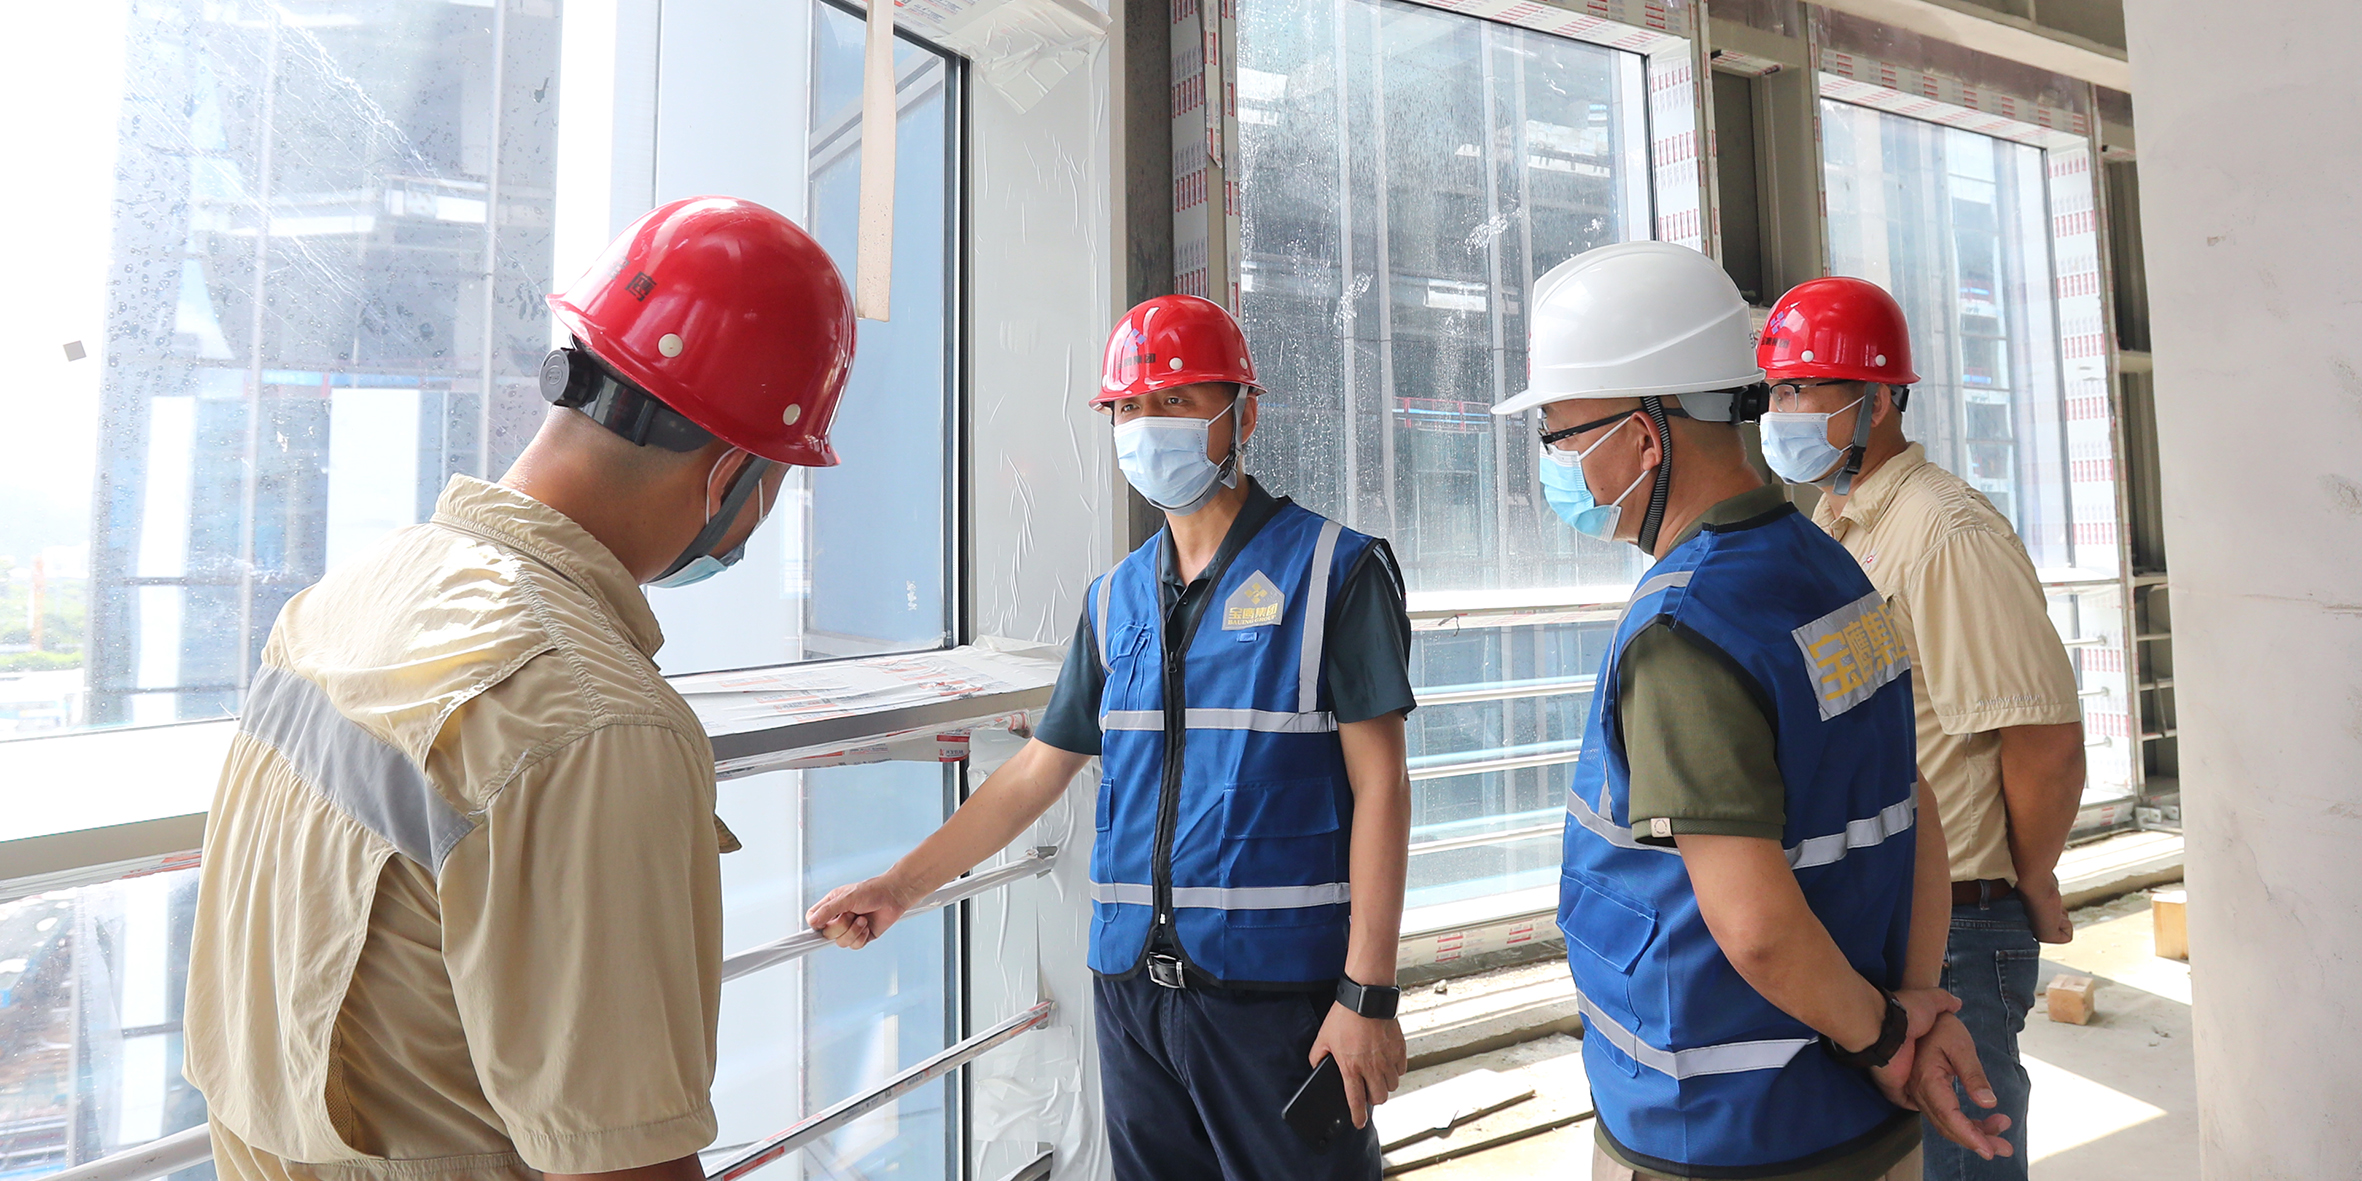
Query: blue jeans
1990, 963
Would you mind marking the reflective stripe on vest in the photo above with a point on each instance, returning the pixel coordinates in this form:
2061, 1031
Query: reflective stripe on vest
1197, 718
1660, 582
1227, 897
1316, 622
1868, 832
1691, 1065
1727, 1058
1226, 801
1106, 592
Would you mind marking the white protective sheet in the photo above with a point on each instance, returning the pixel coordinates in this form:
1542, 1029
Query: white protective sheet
1045, 514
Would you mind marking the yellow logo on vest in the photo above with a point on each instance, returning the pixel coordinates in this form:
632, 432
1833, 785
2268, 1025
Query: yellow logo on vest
1257, 603
1852, 653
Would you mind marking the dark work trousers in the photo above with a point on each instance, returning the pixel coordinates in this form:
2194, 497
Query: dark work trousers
1194, 1080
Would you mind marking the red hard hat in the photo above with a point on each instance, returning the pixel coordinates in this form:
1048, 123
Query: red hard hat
728, 313
1836, 328
1169, 341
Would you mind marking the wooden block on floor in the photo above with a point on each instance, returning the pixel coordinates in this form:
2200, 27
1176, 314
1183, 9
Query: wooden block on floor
2071, 999
2169, 915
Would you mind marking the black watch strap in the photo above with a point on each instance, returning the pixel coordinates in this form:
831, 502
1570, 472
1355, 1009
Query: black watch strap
1882, 1051
1369, 1000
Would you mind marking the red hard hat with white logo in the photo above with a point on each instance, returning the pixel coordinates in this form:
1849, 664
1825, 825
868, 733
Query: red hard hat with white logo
729, 314
1173, 340
1836, 329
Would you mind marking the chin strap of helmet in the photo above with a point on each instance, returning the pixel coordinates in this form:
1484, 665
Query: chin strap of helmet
1655, 408
1844, 485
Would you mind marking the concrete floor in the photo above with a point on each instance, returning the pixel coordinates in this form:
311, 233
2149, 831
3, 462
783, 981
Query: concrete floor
2114, 1100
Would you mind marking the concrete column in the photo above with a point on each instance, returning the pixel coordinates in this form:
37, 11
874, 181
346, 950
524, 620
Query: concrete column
2251, 177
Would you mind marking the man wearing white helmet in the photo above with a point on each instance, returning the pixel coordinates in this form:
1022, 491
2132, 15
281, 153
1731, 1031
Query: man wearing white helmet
1753, 896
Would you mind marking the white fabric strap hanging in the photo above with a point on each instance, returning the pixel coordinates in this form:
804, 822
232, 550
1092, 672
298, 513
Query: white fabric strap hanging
873, 265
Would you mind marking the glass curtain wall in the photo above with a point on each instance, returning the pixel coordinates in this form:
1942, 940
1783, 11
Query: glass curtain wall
811, 1032
1960, 226
92, 982
1406, 174
315, 290
91, 989
1956, 225
280, 275
293, 262
857, 558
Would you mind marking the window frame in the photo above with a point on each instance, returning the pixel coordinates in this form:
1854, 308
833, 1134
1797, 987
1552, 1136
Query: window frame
2068, 139
169, 838
166, 838
1676, 184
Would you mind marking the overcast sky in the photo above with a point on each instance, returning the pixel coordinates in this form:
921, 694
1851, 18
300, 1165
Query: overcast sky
60, 149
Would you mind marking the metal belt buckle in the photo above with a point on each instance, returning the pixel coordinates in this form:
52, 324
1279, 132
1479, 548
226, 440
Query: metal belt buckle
1165, 970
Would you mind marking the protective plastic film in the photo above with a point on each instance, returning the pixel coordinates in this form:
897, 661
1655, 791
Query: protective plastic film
1021, 48
1024, 942
1044, 519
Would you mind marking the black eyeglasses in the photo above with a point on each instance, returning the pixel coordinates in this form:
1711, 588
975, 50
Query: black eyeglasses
1784, 394
1551, 437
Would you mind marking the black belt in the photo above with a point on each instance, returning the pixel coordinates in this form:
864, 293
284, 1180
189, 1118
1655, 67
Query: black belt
1165, 969
1982, 892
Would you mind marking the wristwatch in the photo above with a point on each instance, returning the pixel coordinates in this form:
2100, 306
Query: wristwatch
1882, 1051
1369, 1000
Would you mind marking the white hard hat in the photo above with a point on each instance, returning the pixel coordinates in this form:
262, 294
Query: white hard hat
1637, 319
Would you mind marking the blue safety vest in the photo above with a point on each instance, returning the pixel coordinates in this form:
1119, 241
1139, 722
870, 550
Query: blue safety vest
1693, 1070
1225, 811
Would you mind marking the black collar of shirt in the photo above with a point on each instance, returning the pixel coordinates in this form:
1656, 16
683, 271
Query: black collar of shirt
1185, 604
1260, 507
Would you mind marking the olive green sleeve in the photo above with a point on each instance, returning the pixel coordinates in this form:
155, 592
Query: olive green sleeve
1698, 741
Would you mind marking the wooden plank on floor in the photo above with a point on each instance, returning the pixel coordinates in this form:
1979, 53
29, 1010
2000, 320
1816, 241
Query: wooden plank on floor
1437, 1109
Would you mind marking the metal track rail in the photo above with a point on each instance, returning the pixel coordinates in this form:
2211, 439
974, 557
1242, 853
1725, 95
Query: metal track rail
1036, 862
1479, 840
815, 1126
156, 1158
194, 1146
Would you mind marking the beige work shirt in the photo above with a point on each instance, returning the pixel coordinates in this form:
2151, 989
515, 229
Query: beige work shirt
1984, 654
461, 910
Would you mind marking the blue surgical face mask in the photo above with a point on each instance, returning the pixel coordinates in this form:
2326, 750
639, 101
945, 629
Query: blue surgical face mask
1570, 496
705, 566
1165, 459
700, 568
1797, 446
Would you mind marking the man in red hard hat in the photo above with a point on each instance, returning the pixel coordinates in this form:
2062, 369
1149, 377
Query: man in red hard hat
2000, 725
461, 912
1243, 679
